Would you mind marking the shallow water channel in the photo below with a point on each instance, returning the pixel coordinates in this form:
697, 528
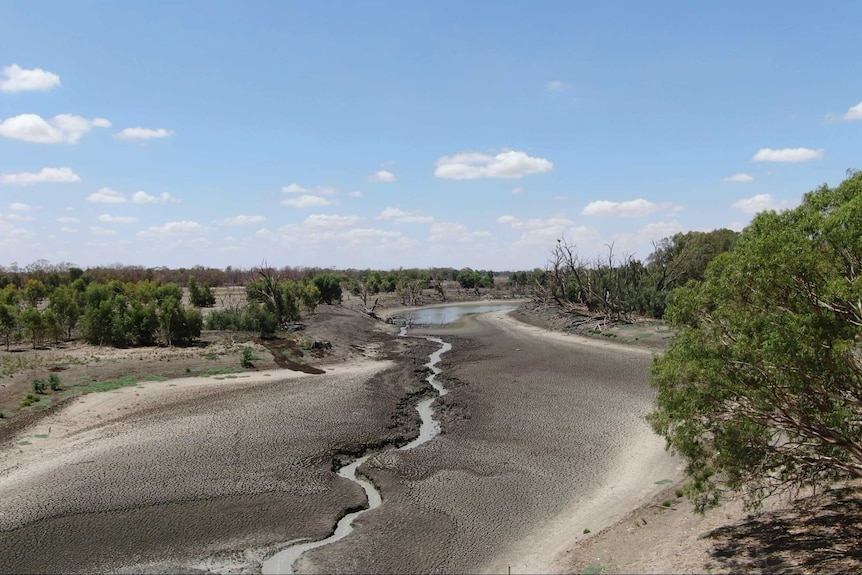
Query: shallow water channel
451, 313
283, 561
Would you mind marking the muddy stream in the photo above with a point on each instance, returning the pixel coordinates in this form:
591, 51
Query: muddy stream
283, 561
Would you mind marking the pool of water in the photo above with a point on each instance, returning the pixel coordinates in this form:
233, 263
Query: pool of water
451, 313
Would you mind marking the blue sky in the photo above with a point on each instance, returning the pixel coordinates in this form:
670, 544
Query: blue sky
415, 134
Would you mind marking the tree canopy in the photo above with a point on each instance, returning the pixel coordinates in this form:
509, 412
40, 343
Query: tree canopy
761, 388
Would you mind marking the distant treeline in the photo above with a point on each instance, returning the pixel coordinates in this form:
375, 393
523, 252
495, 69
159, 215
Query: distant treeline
128, 305
54, 274
120, 307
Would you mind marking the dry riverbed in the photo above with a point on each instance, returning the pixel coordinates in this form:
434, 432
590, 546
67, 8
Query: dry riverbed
544, 464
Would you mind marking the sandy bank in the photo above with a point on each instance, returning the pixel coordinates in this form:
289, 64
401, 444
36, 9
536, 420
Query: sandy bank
182, 470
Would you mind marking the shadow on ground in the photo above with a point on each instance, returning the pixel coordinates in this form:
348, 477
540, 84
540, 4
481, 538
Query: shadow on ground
820, 534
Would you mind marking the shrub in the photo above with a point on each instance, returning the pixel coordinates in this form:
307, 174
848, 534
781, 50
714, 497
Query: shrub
247, 357
39, 385
54, 382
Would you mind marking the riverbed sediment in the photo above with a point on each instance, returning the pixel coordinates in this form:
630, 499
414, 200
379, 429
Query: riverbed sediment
542, 437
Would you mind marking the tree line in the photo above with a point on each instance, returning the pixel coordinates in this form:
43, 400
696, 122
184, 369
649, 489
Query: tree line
616, 287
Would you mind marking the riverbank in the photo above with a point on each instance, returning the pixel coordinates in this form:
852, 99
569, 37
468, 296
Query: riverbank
204, 474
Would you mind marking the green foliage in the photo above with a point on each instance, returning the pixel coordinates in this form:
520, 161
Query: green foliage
30, 399
39, 386
200, 295
8, 322
280, 298
761, 388
255, 317
108, 385
33, 322
247, 357
54, 382
329, 286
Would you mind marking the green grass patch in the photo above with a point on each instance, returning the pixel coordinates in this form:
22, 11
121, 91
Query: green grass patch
41, 436
24, 443
211, 356
108, 385
663, 482
594, 569
155, 378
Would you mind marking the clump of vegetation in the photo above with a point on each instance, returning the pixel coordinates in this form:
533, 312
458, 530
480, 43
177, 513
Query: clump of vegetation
761, 388
54, 382
667, 503
586, 531
39, 386
247, 358
29, 400
200, 295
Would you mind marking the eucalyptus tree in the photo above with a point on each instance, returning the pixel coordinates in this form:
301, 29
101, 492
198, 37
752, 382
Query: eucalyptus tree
761, 388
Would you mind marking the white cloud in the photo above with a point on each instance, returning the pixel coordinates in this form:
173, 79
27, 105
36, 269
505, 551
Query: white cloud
68, 220
19, 218
107, 218
319, 190
109, 196
518, 190
139, 133
545, 232
404, 217
45, 175
14, 78
554, 86
506, 164
140, 197
355, 194
330, 221
19, 207
454, 232
760, 203
382, 176
739, 178
306, 201
293, 189
97, 231
171, 229
854, 113
659, 230
638, 207
106, 196
365, 236
787, 155
66, 128
68, 230
240, 220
